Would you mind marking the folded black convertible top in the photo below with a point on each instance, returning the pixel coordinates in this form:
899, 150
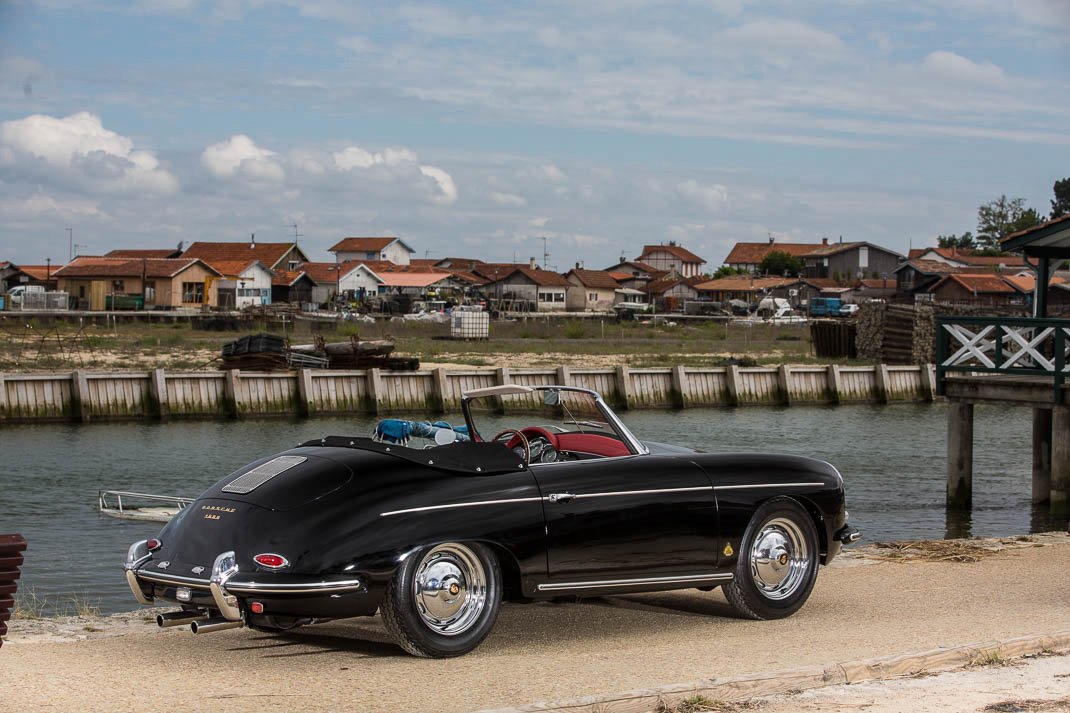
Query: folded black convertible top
462, 457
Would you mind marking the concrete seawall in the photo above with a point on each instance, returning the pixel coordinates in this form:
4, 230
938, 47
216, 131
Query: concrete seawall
82, 396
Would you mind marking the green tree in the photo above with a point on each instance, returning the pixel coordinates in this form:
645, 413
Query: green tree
1060, 204
729, 271
999, 218
779, 262
965, 240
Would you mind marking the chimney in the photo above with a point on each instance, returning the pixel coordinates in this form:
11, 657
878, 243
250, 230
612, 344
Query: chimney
252, 240
577, 266
771, 239
824, 241
532, 264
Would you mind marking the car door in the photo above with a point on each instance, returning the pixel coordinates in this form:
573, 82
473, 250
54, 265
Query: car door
632, 516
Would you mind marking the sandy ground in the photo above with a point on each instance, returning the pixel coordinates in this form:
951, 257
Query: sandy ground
862, 607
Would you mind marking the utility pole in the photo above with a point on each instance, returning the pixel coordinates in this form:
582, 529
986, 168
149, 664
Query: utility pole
545, 252
70, 244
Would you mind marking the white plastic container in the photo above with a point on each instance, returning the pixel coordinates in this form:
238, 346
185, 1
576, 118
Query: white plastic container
470, 325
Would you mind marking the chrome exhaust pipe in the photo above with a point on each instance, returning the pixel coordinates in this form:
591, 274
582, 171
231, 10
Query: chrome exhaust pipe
178, 618
207, 626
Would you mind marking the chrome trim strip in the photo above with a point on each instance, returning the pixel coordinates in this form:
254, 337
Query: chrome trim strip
765, 485
172, 579
616, 493
460, 505
558, 586
294, 588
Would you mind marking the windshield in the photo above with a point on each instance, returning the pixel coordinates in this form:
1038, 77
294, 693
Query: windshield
556, 410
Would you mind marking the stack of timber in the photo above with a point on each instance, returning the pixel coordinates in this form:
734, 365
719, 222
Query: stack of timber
256, 352
869, 331
833, 338
356, 354
11, 549
897, 345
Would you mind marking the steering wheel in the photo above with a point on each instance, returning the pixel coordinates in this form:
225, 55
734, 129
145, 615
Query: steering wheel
516, 434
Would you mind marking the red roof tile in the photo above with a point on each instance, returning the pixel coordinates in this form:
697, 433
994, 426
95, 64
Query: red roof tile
92, 266
745, 284
286, 278
677, 251
348, 245
162, 253
595, 279
754, 253
268, 253
41, 273
989, 284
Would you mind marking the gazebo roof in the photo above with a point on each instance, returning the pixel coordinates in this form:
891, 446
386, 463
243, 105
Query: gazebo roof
1050, 239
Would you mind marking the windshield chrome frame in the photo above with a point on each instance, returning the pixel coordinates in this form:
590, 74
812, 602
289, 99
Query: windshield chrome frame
634, 444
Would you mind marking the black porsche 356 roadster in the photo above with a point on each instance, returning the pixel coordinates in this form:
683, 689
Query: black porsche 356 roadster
548, 495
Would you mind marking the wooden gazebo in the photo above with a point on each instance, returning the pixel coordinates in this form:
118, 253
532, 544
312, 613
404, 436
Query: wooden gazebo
1012, 361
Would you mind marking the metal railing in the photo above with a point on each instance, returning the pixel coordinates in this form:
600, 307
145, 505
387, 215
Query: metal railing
1003, 345
112, 501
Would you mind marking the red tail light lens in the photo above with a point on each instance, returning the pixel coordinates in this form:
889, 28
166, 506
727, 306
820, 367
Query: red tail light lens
271, 561
257, 607
153, 544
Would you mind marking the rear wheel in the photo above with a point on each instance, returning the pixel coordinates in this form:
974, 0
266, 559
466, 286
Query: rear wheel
443, 601
778, 562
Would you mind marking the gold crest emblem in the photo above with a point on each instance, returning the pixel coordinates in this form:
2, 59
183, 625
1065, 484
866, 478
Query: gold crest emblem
728, 551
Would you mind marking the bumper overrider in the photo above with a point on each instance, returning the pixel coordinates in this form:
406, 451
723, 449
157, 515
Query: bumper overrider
227, 590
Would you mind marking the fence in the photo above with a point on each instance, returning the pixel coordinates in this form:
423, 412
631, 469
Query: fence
81, 396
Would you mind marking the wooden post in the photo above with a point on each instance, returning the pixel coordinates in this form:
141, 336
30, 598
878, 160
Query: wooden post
305, 403
231, 402
375, 391
3, 398
1060, 460
732, 380
501, 376
624, 386
835, 383
79, 396
158, 392
564, 376
678, 391
439, 390
1041, 455
959, 455
783, 384
928, 381
881, 383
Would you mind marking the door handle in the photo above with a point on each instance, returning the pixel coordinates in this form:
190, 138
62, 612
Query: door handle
562, 497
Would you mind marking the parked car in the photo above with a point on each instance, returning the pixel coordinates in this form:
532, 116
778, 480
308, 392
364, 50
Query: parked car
848, 310
542, 493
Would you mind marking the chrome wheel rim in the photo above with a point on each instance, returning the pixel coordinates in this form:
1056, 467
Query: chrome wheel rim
779, 559
450, 589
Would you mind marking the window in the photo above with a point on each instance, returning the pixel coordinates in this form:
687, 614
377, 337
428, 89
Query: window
150, 292
863, 256
551, 297
592, 296
193, 293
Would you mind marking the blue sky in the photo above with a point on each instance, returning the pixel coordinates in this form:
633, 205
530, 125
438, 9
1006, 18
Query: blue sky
478, 128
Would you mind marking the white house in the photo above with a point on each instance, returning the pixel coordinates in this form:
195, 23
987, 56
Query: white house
244, 283
389, 249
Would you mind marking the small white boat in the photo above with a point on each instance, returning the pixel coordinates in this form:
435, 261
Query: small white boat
140, 506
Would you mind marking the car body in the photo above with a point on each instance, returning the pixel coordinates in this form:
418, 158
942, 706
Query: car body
848, 310
563, 501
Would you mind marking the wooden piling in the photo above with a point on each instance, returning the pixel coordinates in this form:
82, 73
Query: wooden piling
305, 401
732, 381
158, 394
564, 376
834, 383
3, 398
1060, 460
959, 455
1041, 455
439, 390
783, 384
678, 390
79, 396
624, 387
375, 391
881, 386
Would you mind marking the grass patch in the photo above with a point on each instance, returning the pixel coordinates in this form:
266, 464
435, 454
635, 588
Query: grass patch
702, 704
29, 605
1030, 705
932, 551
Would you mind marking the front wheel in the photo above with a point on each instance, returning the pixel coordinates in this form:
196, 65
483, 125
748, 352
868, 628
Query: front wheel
443, 600
778, 562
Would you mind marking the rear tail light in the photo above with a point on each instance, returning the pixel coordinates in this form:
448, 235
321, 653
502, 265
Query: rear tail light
271, 561
153, 544
257, 607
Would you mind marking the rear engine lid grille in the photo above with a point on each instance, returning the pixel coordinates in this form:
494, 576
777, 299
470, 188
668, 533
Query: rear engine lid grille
253, 479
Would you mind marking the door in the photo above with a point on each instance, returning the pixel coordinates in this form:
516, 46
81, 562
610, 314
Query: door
627, 517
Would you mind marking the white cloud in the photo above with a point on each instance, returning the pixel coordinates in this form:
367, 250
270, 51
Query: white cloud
955, 67
539, 222
40, 205
240, 157
355, 157
713, 197
78, 151
508, 199
446, 187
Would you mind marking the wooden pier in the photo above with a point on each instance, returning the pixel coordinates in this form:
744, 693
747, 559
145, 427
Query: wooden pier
82, 396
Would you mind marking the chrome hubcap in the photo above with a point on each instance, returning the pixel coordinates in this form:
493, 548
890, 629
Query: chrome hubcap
780, 559
450, 589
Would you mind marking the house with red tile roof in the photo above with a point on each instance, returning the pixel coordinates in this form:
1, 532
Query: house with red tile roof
749, 256
139, 253
672, 258
292, 286
591, 290
245, 283
966, 257
274, 256
524, 289
94, 282
12, 275
389, 249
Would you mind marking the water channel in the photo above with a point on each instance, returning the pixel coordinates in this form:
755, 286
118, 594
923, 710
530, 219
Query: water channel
892, 458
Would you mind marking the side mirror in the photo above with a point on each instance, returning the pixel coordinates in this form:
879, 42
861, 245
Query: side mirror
551, 398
